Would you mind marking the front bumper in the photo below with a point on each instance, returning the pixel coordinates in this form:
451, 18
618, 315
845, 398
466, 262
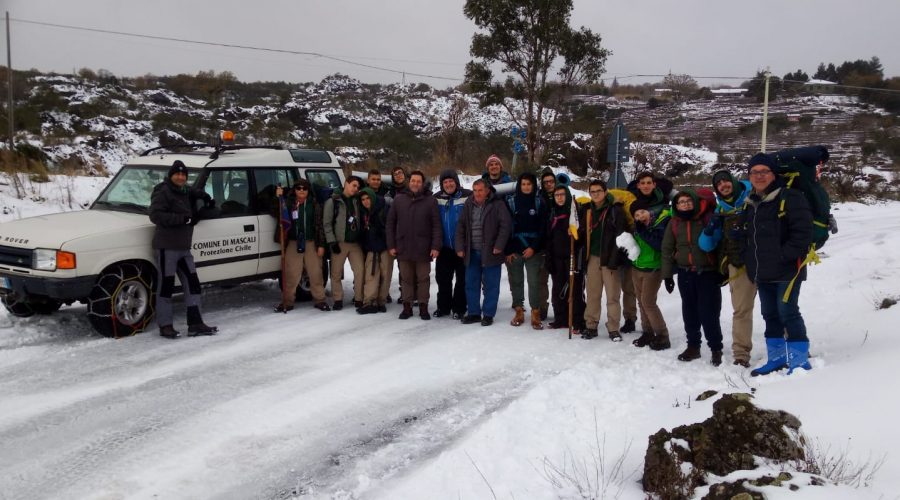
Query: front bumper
62, 289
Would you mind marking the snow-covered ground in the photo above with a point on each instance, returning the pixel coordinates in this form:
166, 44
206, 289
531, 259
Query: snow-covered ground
337, 405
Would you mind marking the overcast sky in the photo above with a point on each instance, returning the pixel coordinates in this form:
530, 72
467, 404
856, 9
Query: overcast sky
697, 37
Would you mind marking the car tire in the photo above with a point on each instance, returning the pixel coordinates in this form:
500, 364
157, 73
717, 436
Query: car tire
123, 301
23, 307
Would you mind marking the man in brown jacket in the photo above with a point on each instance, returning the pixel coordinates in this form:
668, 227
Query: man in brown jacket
481, 235
414, 237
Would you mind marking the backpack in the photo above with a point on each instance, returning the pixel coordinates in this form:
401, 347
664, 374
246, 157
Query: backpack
800, 168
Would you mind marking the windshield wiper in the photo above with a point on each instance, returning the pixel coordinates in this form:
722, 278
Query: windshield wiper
122, 204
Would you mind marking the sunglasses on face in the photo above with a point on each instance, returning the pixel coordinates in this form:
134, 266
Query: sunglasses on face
301, 188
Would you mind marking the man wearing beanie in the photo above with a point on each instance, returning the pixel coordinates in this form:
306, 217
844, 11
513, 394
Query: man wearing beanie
493, 171
451, 299
171, 210
731, 196
776, 235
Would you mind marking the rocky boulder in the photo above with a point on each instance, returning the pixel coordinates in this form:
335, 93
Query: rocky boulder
678, 461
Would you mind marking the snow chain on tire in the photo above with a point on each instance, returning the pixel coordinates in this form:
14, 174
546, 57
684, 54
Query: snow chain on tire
122, 278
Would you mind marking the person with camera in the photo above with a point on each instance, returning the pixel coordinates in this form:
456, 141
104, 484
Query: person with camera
302, 237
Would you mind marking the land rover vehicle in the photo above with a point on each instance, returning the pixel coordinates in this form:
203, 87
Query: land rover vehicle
103, 257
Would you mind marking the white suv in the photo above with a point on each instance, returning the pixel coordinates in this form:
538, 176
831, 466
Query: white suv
103, 256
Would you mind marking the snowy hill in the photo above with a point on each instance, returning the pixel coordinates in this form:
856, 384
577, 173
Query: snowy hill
335, 405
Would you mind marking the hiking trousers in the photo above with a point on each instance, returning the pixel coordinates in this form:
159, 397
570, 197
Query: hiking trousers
517, 270
294, 265
602, 279
646, 288
743, 295
701, 304
354, 253
377, 277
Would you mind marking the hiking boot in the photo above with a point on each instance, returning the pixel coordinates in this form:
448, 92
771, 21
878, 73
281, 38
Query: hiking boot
615, 336
741, 362
543, 314
589, 333
281, 308
201, 329
423, 311
168, 332
716, 358
389, 299
406, 313
536, 319
660, 343
776, 351
357, 303
519, 317
689, 354
557, 324
338, 305
322, 306
487, 321
457, 316
628, 327
440, 313
382, 308
471, 319
369, 309
644, 340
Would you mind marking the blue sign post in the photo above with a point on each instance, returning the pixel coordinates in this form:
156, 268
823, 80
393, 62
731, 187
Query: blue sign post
517, 147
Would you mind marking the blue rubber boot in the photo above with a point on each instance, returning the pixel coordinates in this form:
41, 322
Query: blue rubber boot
798, 355
778, 358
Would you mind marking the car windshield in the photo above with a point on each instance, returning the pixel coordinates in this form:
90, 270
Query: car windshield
131, 188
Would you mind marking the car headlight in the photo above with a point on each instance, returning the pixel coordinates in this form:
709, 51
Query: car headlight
46, 259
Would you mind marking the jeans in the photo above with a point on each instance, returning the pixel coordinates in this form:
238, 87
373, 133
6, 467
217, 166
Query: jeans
781, 316
478, 276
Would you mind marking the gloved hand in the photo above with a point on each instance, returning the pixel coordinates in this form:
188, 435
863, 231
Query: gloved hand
670, 285
714, 224
335, 248
832, 224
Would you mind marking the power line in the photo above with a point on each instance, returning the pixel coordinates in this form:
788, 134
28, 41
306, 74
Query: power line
402, 73
238, 46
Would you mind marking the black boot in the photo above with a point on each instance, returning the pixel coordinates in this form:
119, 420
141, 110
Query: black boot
423, 311
628, 327
168, 332
406, 313
196, 325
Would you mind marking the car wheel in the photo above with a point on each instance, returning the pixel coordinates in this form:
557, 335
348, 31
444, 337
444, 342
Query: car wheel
122, 302
18, 306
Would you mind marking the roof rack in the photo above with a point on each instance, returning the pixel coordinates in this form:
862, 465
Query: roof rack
221, 148
193, 145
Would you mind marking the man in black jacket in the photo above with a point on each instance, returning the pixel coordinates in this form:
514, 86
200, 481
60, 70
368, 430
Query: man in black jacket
777, 233
171, 210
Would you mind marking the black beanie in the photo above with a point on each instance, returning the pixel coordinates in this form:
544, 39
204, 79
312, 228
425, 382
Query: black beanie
763, 159
177, 167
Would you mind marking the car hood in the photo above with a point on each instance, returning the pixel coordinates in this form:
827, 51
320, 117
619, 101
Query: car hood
55, 230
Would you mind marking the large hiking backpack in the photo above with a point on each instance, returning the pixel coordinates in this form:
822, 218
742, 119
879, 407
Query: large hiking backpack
800, 168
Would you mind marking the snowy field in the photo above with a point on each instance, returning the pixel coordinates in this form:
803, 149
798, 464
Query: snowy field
337, 405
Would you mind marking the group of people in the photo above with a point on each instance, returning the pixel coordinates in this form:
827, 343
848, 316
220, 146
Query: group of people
623, 243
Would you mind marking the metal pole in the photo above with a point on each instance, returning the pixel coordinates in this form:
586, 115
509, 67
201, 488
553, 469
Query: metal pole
765, 121
615, 179
9, 85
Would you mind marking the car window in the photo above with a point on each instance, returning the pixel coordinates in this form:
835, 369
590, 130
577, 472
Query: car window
266, 180
132, 187
323, 182
231, 190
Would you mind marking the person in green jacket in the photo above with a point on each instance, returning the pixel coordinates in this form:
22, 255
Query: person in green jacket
648, 234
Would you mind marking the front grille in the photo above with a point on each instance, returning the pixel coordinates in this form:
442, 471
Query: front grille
17, 257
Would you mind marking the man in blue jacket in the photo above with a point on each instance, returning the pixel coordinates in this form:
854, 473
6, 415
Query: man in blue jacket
776, 236
451, 300
731, 196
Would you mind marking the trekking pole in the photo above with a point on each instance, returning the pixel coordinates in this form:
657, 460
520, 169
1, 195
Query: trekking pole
571, 279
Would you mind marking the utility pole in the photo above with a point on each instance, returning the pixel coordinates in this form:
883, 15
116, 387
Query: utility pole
765, 120
9, 85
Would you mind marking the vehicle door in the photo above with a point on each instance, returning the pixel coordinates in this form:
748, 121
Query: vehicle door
267, 209
226, 246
